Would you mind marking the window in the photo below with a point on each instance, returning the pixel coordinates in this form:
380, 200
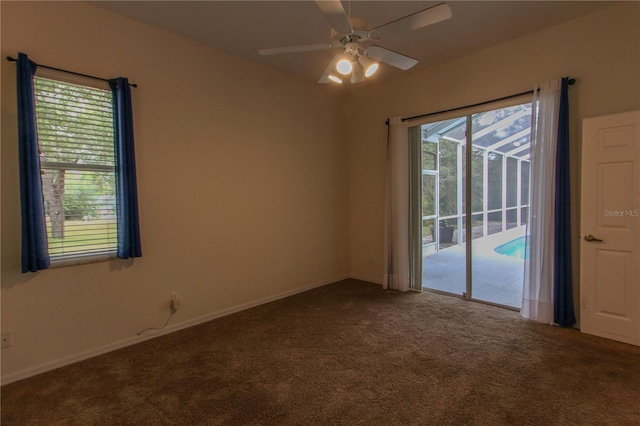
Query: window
76, 144
76, 151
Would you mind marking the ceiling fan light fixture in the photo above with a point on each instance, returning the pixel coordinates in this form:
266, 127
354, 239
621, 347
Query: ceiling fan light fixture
344, 65
358, 73
370, 67
371, 70
352, 33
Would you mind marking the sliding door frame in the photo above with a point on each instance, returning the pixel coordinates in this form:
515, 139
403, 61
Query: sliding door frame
415, 208
415, 192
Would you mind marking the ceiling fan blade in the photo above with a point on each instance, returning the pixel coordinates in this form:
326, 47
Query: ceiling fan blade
336, 16
294, 49
390, 57
414, 21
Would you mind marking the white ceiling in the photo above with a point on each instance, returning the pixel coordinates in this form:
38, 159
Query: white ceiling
243, 27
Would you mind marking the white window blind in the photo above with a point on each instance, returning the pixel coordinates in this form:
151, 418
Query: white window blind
76, 139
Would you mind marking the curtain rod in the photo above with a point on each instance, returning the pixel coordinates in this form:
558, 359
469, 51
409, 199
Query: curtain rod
10, 59
504, 98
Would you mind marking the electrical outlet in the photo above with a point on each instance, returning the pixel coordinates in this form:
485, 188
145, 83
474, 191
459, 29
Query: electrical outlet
5, 340
175, 302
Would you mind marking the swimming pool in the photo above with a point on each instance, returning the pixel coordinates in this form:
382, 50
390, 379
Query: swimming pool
514, 248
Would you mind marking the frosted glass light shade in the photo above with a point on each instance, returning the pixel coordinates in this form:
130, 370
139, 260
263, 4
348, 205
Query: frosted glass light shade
358, 73
370, 67
344, 66
371, 70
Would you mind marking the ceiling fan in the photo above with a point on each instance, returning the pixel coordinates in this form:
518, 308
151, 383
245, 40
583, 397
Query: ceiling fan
349, 34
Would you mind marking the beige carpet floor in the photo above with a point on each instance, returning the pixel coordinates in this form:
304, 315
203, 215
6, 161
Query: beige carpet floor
348, 353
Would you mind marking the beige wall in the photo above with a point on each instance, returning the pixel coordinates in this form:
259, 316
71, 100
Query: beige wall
601, 51
241, 179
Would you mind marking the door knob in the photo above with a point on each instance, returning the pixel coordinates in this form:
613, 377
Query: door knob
590, 238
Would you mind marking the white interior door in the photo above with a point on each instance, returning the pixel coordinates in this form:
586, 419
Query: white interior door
610, 227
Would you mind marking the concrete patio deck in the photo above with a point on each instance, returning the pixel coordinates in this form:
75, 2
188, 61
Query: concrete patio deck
496, 278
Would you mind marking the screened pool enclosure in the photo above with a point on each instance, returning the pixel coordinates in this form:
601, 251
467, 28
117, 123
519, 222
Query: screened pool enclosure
498, 203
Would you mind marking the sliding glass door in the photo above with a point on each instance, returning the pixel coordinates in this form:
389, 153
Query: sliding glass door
497, 175
443, 249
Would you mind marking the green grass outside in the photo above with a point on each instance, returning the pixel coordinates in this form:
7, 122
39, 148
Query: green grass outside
97, 235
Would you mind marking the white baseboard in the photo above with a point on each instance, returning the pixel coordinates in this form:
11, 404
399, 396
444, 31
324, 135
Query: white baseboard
368, 279
72, 359
631, 340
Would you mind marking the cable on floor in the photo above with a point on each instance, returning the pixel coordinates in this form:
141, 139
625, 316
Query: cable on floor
161, 328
